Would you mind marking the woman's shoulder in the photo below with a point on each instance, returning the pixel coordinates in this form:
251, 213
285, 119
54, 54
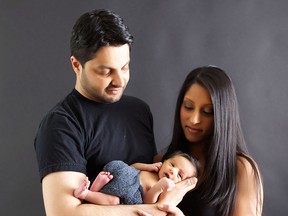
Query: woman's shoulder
249, 187
245, 165
247, 172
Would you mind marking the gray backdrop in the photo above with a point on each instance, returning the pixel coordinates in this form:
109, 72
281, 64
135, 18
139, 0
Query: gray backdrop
248, 38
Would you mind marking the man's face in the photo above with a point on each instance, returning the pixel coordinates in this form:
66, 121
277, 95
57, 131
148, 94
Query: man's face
104, 78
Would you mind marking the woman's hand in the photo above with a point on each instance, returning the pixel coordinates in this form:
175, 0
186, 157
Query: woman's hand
174, 197
170, 210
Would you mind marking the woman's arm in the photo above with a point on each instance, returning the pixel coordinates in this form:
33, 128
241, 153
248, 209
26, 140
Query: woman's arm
248, 199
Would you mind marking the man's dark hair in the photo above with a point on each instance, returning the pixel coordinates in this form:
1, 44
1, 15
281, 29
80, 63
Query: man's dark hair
96, 29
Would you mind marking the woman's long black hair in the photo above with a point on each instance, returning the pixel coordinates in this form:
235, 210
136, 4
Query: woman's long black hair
226, 144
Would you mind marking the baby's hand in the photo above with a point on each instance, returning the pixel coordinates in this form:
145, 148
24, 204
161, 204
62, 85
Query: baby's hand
156, 166
166, 184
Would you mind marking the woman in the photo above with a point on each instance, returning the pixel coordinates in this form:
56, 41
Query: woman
207, 126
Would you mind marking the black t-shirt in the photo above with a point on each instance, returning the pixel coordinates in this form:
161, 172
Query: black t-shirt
82, 135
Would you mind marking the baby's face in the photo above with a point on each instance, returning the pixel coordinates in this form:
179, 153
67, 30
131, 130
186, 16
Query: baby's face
177, 169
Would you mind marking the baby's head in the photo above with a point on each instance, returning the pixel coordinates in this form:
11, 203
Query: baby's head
178, 166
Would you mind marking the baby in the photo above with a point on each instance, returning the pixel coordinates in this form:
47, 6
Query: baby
139, 183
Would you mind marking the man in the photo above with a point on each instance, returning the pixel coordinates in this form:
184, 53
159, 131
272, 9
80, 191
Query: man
95, 123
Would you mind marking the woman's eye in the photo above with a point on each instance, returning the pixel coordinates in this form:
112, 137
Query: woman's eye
188, 107
208, 111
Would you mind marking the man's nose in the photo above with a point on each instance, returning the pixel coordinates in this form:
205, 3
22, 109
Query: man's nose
118, 79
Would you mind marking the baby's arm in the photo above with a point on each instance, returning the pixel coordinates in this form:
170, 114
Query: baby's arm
155, 167
164, 184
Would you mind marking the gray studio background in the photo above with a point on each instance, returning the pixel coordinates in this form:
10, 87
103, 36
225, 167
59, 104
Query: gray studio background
249, 39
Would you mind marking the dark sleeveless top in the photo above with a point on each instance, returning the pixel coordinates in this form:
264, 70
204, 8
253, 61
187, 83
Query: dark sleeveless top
193, 205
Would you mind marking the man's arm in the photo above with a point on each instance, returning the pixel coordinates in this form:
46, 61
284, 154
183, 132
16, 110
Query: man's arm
59, 200
171, 210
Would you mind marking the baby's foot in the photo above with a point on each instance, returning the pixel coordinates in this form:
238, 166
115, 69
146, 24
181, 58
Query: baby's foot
102, 179
82, 191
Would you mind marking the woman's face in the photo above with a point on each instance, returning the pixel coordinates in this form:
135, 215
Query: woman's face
196, 114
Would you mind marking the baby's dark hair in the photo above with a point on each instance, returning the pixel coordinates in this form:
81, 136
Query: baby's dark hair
190, 158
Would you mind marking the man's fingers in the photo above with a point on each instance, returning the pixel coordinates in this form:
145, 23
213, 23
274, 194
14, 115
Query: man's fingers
143, 213
171, 210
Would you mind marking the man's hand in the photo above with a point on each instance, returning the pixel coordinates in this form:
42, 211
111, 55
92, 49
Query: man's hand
171, 210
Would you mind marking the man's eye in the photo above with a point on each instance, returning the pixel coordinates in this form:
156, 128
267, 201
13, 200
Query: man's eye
126, 68
103, 72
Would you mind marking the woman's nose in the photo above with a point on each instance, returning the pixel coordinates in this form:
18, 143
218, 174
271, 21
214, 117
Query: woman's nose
195, 118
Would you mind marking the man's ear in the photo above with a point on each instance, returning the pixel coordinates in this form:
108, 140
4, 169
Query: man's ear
76, 65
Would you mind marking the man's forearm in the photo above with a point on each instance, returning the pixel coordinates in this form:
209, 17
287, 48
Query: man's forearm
116, 210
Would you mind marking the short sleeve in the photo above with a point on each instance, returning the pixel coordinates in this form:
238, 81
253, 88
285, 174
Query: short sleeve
59, 145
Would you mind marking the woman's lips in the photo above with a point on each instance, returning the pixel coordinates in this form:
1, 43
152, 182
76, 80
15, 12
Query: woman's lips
193, 130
